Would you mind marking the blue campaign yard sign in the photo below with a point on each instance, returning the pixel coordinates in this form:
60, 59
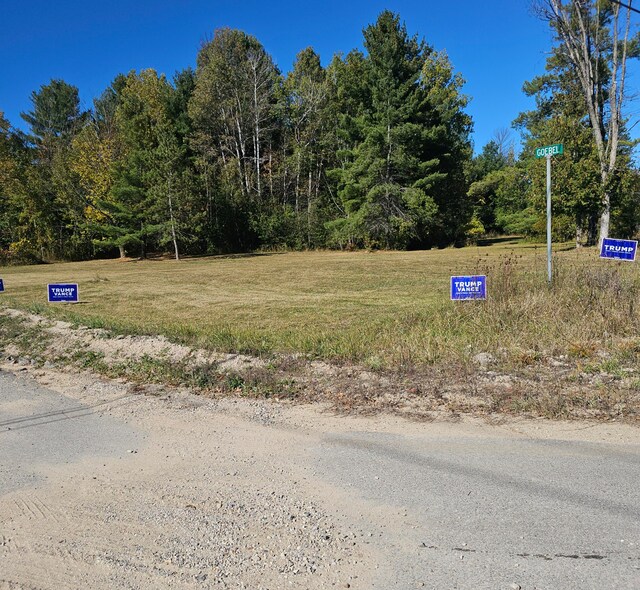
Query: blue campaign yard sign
62, 292
619, 249
474, 287
1, 286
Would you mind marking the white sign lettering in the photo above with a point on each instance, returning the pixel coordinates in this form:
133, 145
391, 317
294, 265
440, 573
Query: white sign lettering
468, 286
610, 248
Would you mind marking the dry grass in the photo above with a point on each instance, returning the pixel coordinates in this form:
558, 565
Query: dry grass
383, 309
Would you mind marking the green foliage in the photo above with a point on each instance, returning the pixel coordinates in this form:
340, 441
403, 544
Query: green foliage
485, 173
368, 152
152, 200
56, 112
372, 151
475, 230
11, 186
580, 100
47, 205
404, 138
233, 109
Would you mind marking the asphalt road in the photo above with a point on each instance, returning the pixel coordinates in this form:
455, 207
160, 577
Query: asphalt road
438, 506
41, 427
476, 512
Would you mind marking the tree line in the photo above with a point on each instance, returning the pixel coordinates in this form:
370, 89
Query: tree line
371, 151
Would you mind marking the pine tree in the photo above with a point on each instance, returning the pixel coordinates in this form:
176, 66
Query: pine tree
401, 180
52, 204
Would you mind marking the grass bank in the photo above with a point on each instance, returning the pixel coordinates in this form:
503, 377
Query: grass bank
381, 309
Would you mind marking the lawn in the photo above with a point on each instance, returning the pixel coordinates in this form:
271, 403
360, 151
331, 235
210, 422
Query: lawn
381, 308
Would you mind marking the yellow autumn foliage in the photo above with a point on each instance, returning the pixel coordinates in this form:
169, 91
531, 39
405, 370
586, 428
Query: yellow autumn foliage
92, 159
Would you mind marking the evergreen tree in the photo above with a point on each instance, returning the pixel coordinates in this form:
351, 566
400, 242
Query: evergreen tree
367, 152
401, 180
140, 113
11, 187
52, 204
485, 178
55, 114
448, 151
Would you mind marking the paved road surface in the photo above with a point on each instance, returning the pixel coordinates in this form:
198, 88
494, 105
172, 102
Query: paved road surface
39, 426
440, 506
488, 513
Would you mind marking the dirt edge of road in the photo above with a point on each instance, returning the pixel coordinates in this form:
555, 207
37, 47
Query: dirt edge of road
548, 388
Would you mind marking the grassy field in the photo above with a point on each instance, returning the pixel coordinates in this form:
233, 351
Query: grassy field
384, 309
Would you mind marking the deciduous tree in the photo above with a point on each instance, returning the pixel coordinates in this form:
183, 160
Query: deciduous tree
595, 38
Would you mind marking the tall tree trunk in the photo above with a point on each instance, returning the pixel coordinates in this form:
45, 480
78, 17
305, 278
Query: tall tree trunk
173, 222
123, 253
143, 242
579, 233
297, 193
592, 230
241, 152
271, 171
309, 199
256, 121
605, 217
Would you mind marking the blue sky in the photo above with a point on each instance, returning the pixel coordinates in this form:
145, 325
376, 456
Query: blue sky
496, 45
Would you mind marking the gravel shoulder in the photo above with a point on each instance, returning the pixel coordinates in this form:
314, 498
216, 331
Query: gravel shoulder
212, 495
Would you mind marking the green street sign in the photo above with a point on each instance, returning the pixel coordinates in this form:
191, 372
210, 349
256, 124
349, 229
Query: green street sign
557, 149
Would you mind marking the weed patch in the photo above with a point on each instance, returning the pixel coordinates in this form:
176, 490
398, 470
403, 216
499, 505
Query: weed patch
22, 336
87, 359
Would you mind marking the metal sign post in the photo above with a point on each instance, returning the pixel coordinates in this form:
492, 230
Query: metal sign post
549, 217
546, 152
